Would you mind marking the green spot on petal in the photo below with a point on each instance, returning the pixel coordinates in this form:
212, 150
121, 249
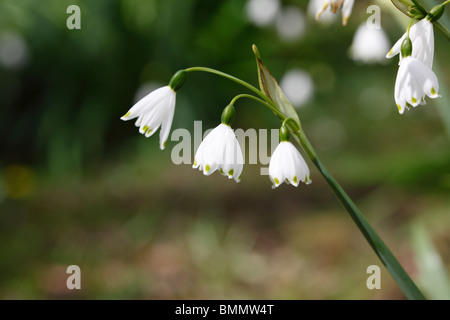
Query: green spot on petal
231, 172
145, 128
399, 108
164, 144
221, 171
295, 179
195, 162
126, 115
413, 100
207, 168
433, 92
276, 181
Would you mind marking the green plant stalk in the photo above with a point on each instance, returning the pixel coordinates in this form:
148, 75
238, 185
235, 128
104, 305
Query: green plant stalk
400, 276
442, 29
232, 78
390, 262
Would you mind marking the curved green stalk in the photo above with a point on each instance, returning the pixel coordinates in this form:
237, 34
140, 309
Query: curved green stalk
232, 78
249, 96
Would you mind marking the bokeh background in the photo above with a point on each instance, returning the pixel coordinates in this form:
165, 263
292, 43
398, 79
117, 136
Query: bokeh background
80, 187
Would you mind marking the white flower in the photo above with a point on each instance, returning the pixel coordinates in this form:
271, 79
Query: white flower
347, 6
154, 110
326, 17
422, 38
369, 44
414, 81
220, 150
287, 164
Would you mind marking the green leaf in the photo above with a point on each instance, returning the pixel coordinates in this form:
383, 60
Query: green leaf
432, 273
269, 86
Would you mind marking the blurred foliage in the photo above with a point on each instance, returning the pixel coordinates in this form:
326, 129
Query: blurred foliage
79, 186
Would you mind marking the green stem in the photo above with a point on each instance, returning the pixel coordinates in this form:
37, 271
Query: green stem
420, 7
410, 24
232, 78
249, 96
393, 266
294, 122
442, 29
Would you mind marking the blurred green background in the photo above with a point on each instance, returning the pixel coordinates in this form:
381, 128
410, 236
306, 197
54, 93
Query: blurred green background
80, 187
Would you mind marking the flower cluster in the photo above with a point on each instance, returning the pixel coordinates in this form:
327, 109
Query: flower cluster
415, 78
220, 150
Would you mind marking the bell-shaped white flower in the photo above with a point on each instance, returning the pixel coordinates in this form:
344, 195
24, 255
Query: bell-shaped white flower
415, 80
153, 111
334, 5
220, 150
369, 44
157, 109
422, 38
287, 164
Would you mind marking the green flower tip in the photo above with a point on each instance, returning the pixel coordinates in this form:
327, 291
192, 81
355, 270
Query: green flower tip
406, 47
228, 115
284, 134
433, 92
207, 168
295, 179
231, 172
126, 115
178, 80
436, 13
277, 182
256, 51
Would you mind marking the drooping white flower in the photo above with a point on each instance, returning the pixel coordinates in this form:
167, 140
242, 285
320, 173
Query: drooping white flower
220, 150
287, 164
334, 5
153, 111
422, 38
369, 44
415, 80
326, 17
